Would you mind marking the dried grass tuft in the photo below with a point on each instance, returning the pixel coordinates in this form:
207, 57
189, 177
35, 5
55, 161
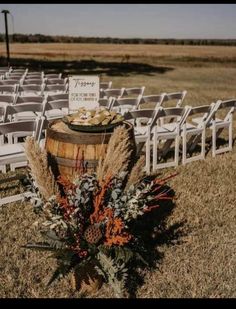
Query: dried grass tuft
137, 173
118, 155
40, 171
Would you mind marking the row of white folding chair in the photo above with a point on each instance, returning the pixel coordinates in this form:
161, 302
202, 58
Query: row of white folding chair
14, 154
57, 103
53, 107
41, 89
152, 133
155, 100
121, 92
220, 122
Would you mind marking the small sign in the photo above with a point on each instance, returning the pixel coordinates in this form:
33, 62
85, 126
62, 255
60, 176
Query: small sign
83, 92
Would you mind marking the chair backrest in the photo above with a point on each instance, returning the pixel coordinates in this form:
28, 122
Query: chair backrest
57, 96
50, 89
207, 113
21, 126
140, 114
105, 85
56, 81
8, 89
34, 81
9, 82
114, 92
15, 78
7, 98
56, 104
176, 96
105, 102
31, 89
134, 91
228, 105
34, 75
53, 75
13, 110
5, 69
29, 99
22, 70
155, 100
178, 114
126, 103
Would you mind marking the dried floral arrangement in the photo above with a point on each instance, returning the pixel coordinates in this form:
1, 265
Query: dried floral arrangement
87, 222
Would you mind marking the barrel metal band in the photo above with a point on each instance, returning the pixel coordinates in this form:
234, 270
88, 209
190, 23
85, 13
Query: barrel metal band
74, 163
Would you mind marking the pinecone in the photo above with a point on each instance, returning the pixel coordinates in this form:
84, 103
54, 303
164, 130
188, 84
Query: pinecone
93, 234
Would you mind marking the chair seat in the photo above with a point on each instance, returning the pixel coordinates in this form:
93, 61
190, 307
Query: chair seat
11, 149
143, 130
170, 126
198, 120
25, 116
55, 113
191, 128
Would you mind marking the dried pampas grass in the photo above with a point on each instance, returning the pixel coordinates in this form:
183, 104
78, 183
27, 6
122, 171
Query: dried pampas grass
118, 155
40, 171
137, 173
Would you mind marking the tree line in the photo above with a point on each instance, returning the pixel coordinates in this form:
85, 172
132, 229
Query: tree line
40, 38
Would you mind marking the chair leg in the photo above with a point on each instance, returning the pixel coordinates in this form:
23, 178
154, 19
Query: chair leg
184, 148
177, 150
203, 150
154, 154
3, 168
213, 141
231, 136
148, 156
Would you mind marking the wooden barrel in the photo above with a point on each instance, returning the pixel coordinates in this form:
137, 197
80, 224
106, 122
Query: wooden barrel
72, 152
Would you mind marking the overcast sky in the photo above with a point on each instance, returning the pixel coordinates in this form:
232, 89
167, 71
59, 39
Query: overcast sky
124, 20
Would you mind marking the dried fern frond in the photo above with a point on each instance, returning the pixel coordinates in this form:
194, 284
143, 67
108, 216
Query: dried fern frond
40, 171
137, 173
118, 154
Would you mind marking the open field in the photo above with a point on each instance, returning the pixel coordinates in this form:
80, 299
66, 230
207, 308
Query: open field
75, 51
198, 245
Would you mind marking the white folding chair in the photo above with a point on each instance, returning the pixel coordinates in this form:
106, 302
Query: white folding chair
154, 101
217, 125
14, 154
22, 112
197, 132
167, 134
123, 105
176, 97
142, 132
134, 91
55, 109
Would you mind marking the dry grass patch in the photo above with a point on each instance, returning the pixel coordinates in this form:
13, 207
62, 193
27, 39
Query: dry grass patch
198, 262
